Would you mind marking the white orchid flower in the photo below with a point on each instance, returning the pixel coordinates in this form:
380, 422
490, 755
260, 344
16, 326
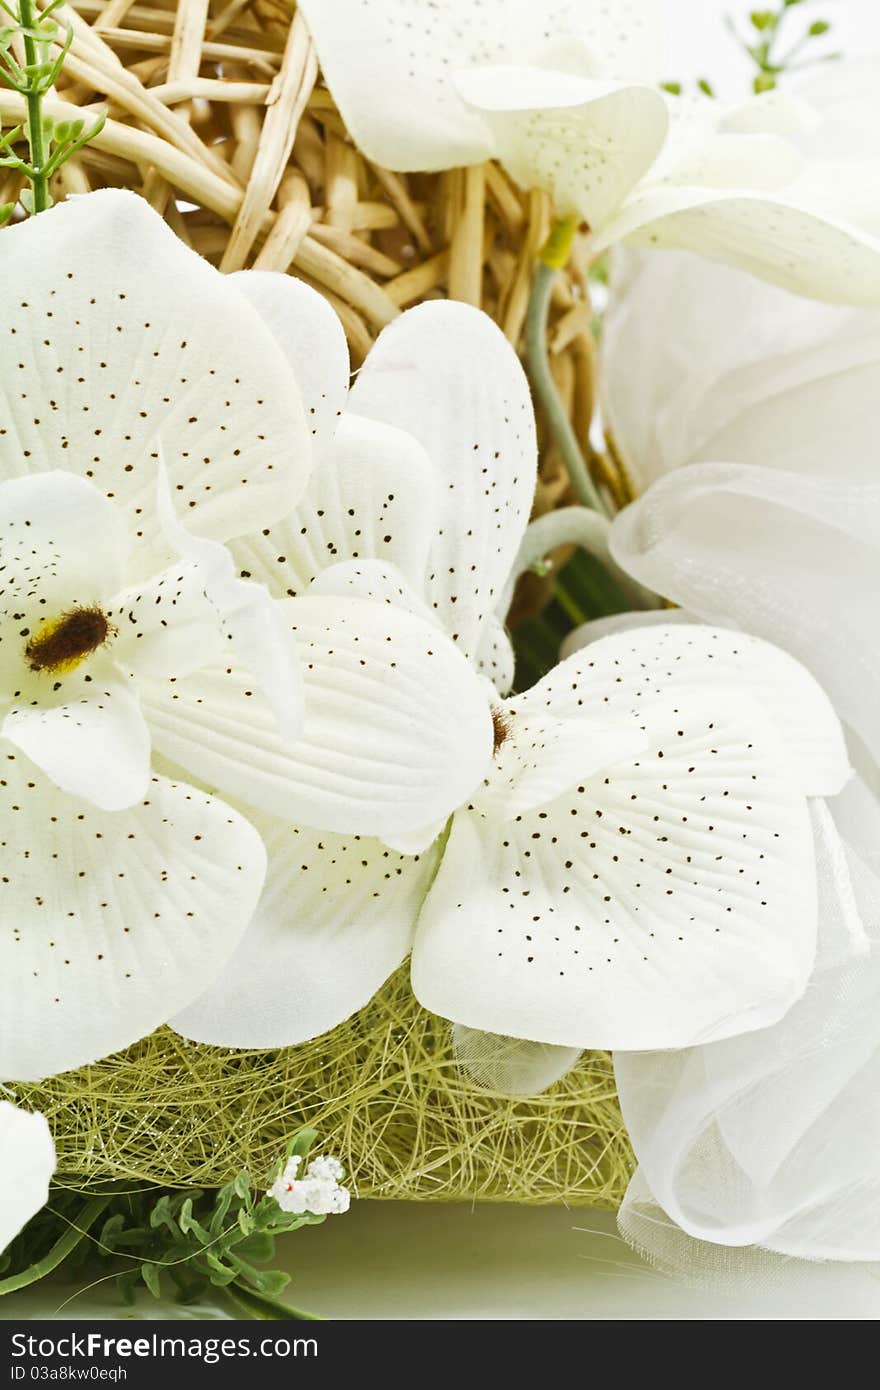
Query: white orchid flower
566, 96
414, 515
639, 863
151, 415
755, 425
120, 888
767, 1145
27, 1162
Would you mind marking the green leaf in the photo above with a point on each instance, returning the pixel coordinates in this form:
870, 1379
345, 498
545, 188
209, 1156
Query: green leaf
271, 1281
221, 1274
6, 211
150, 1276
258, 1247
188, 1223
161, 1215
301, 1143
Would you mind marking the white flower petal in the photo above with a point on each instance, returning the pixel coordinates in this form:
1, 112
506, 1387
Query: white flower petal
668, 900
416, 839
510, 1066
27, 1162
772, 1139
397, 55
313, 340
116, 333
494, 658
445, 373
541, 757
674, 651
767, 378
111, 922
250, 621
371, 579
371, 498
166, 626
737, 544
802, 248
94, 744
336, 918
582, 636
397, 726
586, 142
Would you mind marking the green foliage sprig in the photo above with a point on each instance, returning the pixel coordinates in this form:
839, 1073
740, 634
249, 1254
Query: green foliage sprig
50, 143
184, 1243
762, 44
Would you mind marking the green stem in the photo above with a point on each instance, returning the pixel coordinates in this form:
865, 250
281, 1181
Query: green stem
263, 1306
544, 386
60, 1250
34, 100
584, 528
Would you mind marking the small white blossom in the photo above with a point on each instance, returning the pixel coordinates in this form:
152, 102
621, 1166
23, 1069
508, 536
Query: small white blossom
318, 1191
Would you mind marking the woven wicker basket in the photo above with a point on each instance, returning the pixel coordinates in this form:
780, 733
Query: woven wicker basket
218, 117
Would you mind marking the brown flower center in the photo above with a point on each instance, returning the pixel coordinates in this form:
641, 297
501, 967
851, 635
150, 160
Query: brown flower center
63, 642
500, 726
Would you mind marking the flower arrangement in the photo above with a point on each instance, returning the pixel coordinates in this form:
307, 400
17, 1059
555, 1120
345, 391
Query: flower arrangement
438, 706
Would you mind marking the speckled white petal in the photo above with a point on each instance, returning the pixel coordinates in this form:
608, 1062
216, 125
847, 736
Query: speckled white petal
27, 1162
446, 374
94, 743
494, 658
586, 142
166, 626
397, 727
541, 756
109, 923
115, 332
313, 339
62, 546
510, 1066
252, 631
737, 544
666, 901
397, 55
416, 839
336, 918
372, 497
371, 579
660, 653
582, 636
805, 250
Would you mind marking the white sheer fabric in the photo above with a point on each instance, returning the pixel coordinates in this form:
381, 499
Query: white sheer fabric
772, 1140
510, 1066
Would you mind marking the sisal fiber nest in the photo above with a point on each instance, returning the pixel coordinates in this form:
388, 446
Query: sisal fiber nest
218, 117
384, 1092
